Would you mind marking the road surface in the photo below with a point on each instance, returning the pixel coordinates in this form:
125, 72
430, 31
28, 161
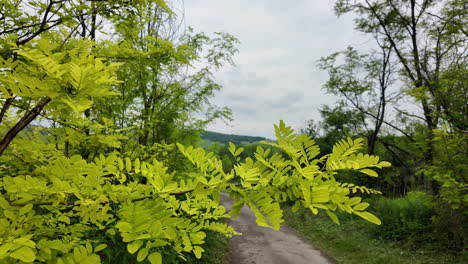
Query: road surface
262, 245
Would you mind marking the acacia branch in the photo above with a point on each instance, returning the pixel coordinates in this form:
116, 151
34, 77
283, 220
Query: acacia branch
108, 202
6, 105
103, 203
28, 118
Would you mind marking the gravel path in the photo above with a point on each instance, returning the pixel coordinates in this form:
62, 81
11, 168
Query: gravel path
262, 245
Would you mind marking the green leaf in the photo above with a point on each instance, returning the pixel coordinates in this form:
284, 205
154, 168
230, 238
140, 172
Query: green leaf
25, 209
238, 151
369, 217
369, 172
155, 258
79, 106
25, 241
124, 227
99, 247
333, 217
142, 254
128, 164
143, 236
198, 251
137, 165
134, 246
3, 203
232, 148
320, 194
353, 201
313, 209
296, 206
64, 218
306, 193
385, 164
4, 249
25, 254
120, 164
89, 248
91, 259
361, 206
170, 187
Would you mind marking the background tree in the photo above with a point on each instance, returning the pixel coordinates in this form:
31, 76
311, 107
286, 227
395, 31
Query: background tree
421, 57
337, 123
364, 81
427, 40
166, 89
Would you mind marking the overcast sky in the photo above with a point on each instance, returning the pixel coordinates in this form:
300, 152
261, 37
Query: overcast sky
275, 76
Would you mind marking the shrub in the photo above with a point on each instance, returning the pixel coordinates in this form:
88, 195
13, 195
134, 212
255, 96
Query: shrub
406, 217
451, 227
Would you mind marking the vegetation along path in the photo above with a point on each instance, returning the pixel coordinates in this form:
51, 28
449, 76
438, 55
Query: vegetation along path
260, 244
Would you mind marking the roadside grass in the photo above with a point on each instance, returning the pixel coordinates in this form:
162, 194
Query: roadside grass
216, 249
352, 243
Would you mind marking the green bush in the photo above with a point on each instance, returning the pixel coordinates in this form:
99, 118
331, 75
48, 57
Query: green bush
451, 227
406, 217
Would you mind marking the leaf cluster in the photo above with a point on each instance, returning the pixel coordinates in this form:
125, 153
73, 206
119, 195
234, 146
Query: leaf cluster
48, 214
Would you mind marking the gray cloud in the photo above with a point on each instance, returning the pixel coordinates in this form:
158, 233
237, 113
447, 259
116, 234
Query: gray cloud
286, 101
275, 76
237, 78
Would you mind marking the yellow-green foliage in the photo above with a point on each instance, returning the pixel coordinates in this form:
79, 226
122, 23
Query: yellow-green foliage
70, 78
62, 204
50, 203
46, 215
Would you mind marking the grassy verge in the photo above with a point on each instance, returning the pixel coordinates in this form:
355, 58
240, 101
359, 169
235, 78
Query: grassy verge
352, 243
216, 250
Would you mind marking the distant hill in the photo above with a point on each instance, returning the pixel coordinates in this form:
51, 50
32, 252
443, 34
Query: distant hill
225, 138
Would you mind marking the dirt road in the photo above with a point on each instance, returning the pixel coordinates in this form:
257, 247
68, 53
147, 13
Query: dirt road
262, 245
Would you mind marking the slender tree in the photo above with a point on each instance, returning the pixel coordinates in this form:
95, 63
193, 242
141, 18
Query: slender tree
364, 81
